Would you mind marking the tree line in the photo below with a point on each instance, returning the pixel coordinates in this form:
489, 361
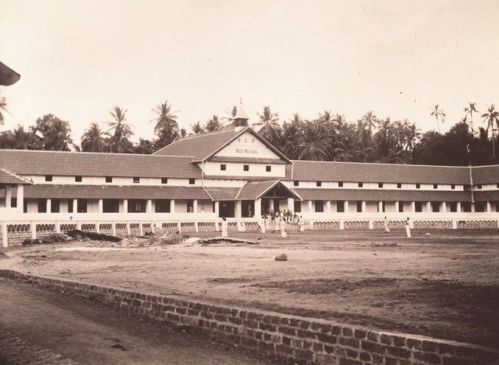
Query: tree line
328, 137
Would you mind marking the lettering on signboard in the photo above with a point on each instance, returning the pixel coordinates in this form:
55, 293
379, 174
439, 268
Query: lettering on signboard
246, 150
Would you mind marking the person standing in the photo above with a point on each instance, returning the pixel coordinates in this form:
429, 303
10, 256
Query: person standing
408, 227
387, 230
224, 228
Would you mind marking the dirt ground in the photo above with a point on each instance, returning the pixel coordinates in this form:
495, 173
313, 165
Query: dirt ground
444, 285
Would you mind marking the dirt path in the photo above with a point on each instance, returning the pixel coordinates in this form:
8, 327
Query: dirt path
44, 326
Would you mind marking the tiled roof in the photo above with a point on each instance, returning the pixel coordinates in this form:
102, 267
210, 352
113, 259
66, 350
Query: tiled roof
486, 195
247, 160
378, 172
219, 193
486, 174
114, 192
382, 195
24, 162
7, 177
199, 146
256, 189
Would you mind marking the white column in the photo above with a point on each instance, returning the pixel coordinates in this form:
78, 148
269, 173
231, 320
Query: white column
149, 206
195, 206
20, 199
489, 207
217, 208
291, 204
258, 208
310, 206
346, 206
380, 207
49, 205
271, 205
413, 207
397, 206
238, 209
101, 206
172, 206
458, 208
75, 205
125, 206
8, 197
364, 206
4, 235
428, 207
444, 207
328, 206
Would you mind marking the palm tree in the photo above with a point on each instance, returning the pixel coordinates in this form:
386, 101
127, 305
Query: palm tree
213, 124
314, 145
93, 140
3, 108
197, 128
269, 126
469, 110
119, 138
370, 121
291, 136
166, 127
438, 114
491, 118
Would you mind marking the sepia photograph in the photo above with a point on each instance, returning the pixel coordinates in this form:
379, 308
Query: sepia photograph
249, 182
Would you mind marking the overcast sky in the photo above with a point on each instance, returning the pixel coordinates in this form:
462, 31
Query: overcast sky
399, 58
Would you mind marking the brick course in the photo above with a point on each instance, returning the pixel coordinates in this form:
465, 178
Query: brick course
294, 339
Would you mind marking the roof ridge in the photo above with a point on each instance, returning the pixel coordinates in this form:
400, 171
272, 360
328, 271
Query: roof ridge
386, 164
194, 136
92, 153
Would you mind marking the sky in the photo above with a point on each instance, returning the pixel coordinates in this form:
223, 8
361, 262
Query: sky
79, 58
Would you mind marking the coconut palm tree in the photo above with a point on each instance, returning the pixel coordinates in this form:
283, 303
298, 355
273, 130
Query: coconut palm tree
119, 138
469, 110
213, 124
3, 108
291, 136
491, 118
314, 145
197, 128
438, 114
269, 126
370, 121
166, 127
93, 139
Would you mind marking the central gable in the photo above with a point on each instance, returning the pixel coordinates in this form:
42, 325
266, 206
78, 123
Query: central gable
247, 145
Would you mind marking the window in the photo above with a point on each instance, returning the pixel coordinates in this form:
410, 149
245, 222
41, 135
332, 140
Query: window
466, 207
55, 206
480, 207
268, 168
109, 179
453, 186
435, 207
297, 206
453, 207
110, 206
245, 167
467, 187
497, 186
418, 207
162, 206
192, 181
136, 180
137, 205
223, 167
319, 206
435, 186
78, 178
340, 184
359, 207
190, 206
296, 183
70, 205
401, 207
42, 205
383, 206
380, 185
13, 202
479, 186
48, 177
399, 186
164, 180
318, 184
340, 206
360, 185
418, 186
81, 206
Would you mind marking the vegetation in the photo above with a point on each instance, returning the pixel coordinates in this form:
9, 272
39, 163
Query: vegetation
328, 137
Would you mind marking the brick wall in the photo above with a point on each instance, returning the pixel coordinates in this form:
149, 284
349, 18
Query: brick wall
294, 339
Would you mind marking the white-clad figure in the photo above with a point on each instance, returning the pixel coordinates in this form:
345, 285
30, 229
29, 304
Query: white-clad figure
301, 226
387, 230
224, 228
262, 225
283, 229
243, 226
408, 227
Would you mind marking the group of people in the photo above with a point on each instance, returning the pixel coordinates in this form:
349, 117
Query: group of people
407, 226
286, 215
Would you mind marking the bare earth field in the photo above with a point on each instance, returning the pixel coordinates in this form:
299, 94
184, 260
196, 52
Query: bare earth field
444, 285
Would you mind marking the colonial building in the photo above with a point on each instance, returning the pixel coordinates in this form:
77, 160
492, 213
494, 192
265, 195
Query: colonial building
231, 173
